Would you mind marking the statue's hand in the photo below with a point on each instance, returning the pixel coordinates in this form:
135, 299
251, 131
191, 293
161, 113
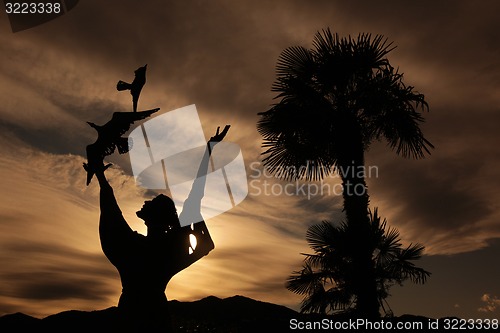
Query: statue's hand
218, 137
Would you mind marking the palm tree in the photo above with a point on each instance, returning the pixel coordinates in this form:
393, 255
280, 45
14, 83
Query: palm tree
326, 277
334, 101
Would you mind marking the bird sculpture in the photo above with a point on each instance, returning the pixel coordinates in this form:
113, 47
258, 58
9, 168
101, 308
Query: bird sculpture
136, 86
109, 138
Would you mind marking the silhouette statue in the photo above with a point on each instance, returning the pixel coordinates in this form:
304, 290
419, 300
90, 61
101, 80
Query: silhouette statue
147, 263
109, 137
136, 86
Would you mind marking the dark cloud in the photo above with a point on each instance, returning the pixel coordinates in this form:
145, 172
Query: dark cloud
52, 286
55, 273
432, 196
267, 286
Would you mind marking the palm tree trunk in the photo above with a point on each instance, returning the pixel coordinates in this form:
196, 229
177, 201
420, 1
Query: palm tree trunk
356, 202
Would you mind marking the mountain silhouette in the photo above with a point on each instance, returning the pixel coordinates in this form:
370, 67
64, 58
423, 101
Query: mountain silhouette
210, 314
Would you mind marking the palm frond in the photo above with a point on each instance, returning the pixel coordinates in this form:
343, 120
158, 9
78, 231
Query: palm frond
306, 281
316, 302
402, 267
393, 110
295, 61
321, 235
327, 301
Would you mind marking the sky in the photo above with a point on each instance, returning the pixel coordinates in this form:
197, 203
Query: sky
221, 56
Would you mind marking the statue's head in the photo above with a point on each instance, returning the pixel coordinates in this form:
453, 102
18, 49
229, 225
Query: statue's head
159, 213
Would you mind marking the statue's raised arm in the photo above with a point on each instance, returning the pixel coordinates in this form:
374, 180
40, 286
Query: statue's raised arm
191, 210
